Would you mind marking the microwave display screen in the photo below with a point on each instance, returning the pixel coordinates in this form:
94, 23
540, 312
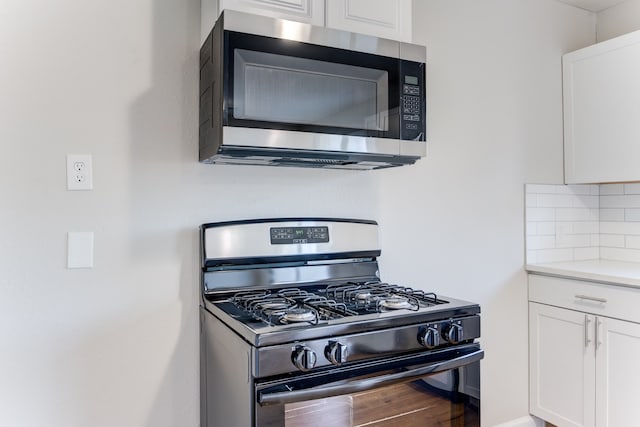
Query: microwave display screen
411, 80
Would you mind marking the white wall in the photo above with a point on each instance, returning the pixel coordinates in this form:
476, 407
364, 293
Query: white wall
117, 345
454, 222
618, 20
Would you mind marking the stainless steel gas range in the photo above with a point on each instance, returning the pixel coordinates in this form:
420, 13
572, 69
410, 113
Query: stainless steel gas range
297, 329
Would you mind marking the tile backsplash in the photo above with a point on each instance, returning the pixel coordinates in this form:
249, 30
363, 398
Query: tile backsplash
582, 222
562, 222
620, 222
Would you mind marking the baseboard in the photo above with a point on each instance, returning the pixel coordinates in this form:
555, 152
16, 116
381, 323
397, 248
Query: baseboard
528, 421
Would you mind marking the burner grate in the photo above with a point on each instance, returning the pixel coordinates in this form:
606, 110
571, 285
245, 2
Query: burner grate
291, 305
380, 297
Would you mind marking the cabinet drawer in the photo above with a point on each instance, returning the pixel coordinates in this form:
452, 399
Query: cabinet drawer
595, 298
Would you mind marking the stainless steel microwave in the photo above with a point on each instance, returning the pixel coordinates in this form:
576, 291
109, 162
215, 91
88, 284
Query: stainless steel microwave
283, 93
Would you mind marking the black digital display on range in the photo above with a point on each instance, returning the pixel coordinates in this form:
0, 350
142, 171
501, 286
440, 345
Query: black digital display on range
299, 235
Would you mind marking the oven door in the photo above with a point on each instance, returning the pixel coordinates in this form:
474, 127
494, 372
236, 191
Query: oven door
437, 388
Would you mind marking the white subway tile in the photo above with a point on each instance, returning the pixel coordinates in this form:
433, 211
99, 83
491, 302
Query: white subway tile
573, 241
532, 257
612, 240
595, 239
612, 214
555, 200
586, 227
580, 189
616, 254
576, 214
540, 214
564, 189
582, 254
632, 215
611, 189
546, 228
607, 227
541, 242
626, 201
632, 242
595, 190
632, 188
586, 202
531, 200
541, 188
555, 255
531, 228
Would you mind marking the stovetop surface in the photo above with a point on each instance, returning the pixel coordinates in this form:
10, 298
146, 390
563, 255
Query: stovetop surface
275, 316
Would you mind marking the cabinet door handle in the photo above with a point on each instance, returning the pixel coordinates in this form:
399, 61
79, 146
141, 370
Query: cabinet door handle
586, 330
598, 340
588, 298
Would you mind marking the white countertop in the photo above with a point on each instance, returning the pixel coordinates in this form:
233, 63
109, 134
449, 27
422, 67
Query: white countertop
599, 270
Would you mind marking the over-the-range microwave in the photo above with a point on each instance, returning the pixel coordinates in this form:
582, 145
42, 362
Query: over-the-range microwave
283, 93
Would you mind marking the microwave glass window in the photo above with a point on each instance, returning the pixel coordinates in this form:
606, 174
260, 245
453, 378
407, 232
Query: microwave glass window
286, 89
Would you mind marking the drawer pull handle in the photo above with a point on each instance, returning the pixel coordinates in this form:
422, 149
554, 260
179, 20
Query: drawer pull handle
588, 298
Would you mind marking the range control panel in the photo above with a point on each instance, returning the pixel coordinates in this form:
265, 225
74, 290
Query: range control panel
299, 235
412, 116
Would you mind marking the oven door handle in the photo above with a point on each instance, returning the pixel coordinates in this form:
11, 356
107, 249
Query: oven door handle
342, 387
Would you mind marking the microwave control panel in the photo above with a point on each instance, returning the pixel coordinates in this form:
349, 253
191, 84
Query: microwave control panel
412, 116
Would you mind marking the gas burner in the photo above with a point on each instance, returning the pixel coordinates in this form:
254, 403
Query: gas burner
395, 302
363, 295
272, 305
299, 314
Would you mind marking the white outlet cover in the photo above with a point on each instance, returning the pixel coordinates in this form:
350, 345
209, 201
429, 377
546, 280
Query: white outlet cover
79, 172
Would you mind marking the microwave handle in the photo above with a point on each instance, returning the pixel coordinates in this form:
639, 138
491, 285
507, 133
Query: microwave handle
341, 387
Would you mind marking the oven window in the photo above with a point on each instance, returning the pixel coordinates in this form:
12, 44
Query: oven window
451, 398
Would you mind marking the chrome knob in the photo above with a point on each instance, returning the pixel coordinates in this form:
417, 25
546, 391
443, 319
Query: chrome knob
336, 352
454, 333
303, 358
429, 337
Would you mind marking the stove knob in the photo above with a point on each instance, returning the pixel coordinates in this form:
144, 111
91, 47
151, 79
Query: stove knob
336, 353
304, 358
429, 337
454, 333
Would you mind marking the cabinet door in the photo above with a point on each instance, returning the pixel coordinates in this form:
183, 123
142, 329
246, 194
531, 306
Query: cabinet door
562, 366
601, 108
618, 373
308, 11
389, 19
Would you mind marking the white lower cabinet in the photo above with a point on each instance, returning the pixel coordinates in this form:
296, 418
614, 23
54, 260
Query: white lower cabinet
618, 374
562, 367
584, 367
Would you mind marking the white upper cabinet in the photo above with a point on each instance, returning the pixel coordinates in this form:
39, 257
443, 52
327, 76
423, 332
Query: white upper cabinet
308, 11
390, 19
601, 91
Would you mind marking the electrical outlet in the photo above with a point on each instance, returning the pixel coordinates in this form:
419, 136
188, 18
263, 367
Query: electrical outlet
79, 172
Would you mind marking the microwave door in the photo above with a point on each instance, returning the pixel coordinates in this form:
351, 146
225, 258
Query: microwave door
273, 84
